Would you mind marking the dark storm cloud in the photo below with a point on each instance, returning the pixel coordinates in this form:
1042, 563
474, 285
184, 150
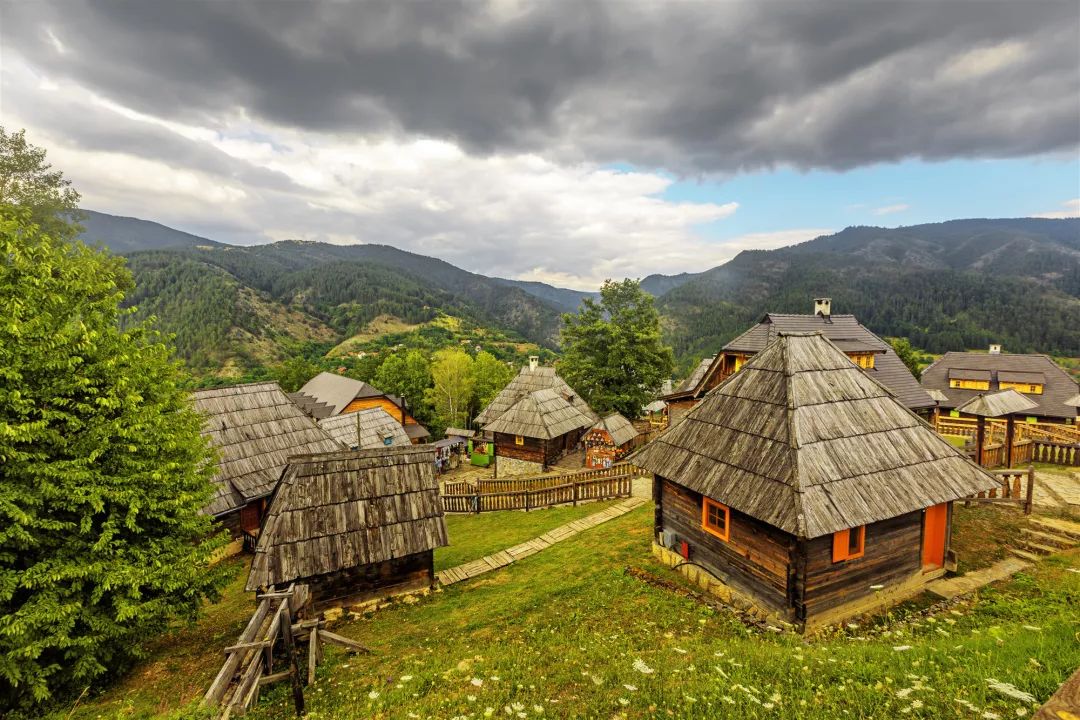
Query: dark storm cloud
695, 87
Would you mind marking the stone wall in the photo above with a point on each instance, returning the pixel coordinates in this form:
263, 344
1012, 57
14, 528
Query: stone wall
509, 467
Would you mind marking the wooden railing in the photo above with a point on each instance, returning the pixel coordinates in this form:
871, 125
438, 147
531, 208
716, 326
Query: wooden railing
1017, 487
528, 499
1056, 453
995, 429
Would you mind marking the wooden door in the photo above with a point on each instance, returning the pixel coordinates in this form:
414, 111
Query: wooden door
935, 521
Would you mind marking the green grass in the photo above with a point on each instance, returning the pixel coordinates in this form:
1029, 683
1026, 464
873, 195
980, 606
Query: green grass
474, 536
557, 635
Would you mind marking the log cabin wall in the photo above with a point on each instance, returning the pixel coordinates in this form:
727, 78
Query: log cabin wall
892, 554
677, 410
756, 559
383, 402
356, 585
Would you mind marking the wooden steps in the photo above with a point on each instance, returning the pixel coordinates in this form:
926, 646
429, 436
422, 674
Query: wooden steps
1046, 536
1057, 526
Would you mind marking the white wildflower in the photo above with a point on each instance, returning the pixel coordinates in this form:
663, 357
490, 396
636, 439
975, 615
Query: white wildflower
470, 698
916, 704
624, 701
642, 668
877, 587
1021, 712
768, 706
1010, 690
489, 711
373, 694
538, 709
631, 688
406, 678
904, 692
729, 700
990, 716
679, 650
477, 682
901, 648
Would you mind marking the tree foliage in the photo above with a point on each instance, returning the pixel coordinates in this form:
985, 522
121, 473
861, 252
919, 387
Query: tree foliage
490, 376
28, 181
911, 357
613, 353
452, 388
407, 375
102, 472
292, 374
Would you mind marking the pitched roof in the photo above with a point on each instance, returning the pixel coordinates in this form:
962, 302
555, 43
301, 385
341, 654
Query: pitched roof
845, 332
543, 414
618, 428
458, 432
337, 391
255, 428
695, 377
416, 431
1058, 386
342, 510
311, 406
937, 396
525, 382
804, 440
1074, 401
365, 429
1005, 402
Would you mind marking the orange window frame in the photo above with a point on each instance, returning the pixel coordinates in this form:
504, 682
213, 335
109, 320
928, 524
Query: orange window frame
841, 545
707, 526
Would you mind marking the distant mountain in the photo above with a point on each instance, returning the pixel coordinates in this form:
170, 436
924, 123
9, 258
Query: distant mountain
567, 300
128, 234
946, 286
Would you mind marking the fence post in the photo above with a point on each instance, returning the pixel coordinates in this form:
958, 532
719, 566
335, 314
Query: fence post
575, 494
1030, 489
290, 651
527, 493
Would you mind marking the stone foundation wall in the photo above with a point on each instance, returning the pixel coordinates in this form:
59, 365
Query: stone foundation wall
509, 467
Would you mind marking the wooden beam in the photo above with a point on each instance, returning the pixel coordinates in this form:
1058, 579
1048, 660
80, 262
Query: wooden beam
273, 678
225, 675
344, 642
290, 652
312, 656
240, 647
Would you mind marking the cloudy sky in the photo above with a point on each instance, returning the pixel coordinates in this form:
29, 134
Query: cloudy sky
555, 141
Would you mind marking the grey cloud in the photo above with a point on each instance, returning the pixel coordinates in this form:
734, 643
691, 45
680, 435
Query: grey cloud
695, 87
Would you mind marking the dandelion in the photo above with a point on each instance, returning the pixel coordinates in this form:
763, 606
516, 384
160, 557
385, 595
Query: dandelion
901, 648
477, 682
1010, 690
642, 668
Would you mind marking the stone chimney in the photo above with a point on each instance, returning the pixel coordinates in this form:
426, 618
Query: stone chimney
823, 306
995, 349
534, 361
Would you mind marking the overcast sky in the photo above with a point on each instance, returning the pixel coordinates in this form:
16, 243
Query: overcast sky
557, 141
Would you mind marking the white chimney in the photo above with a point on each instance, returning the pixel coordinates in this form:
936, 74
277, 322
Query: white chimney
823, 306
534, 360
995, 349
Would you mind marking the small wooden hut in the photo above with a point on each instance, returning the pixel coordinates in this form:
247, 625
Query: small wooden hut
1007, 404
328, 394
802, 488
366, 429
255, 428
608, 441
535, 432
532, 377
353, 526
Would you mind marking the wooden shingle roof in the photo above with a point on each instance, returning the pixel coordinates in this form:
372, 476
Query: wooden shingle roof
365, 429
255, 428
696, 376
804, 440
1058, 386
337, 391
527, 381
999, 404
342, 510
618, 428
543, 414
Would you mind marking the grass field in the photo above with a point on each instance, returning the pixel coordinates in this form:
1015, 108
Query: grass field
569, 633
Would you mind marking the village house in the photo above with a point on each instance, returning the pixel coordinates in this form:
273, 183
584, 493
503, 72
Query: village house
365, 429
802, 489
609, 440
353, 526
328, 394
254, 428
962, 376
875, 356
536, 432
531, 378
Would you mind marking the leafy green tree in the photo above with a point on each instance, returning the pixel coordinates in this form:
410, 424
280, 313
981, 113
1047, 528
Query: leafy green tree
28, 181
613, 353
102, 472
907, 354
490, 375
453, 386
294, 372
408, 375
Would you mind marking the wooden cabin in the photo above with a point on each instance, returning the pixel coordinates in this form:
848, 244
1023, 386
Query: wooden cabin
328, 394
535, 432
609, 440
962, 376
803, 490
353, 526
531, 378
365, 429
872, 354
255, 428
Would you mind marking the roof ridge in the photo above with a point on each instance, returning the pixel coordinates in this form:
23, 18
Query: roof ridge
783, 341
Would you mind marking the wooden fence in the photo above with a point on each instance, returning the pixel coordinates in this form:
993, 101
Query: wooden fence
529, 499
1017, 488
1056, 453
995, 430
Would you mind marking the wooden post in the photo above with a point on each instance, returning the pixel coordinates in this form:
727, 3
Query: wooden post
1029, 499
1010, 432
290, 652
980, 439
575, 494
313, 654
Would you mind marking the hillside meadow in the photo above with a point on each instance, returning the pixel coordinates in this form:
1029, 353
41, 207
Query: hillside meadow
593, 627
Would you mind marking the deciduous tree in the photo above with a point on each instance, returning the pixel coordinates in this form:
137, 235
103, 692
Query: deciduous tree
407, 375
490, 375
612, 350
452, 375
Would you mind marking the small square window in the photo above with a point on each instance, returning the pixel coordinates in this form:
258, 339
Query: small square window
519, 440
716, 518
849, 544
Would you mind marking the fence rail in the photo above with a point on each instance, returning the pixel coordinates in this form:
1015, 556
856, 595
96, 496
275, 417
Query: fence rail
1056, 453
995, 430
529, 499
1017, 488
